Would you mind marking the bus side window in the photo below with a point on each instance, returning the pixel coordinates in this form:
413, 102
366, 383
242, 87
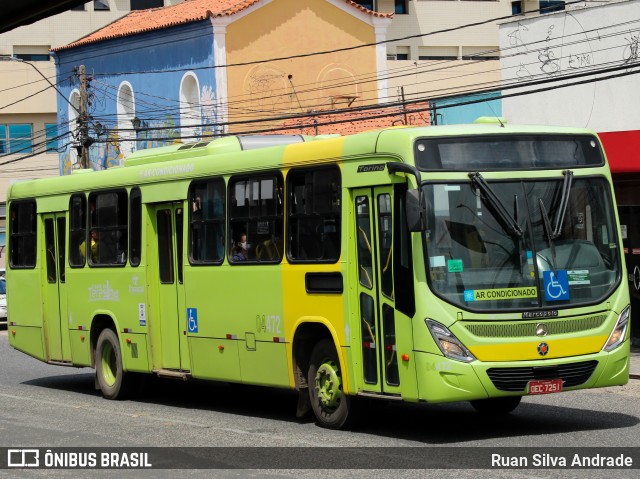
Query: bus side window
255, 219
77, 230
108, 218
207, 221
23, 234
314, 206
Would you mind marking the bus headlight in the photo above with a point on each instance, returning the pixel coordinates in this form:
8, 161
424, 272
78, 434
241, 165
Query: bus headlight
616, 338
450, 346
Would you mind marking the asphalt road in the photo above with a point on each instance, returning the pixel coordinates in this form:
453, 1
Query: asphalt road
50, 406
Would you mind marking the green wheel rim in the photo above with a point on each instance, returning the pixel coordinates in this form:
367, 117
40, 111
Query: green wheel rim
109, 368
328, 386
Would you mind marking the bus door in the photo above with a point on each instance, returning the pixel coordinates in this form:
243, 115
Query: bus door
374, 232
168, 224
55, 298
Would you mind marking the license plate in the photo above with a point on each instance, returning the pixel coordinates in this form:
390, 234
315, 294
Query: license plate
545, 386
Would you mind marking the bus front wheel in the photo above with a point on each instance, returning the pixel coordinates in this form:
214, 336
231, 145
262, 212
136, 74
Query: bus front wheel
108, 359
497, 406
329, 403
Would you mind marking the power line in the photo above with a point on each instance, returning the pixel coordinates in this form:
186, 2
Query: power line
498, 91
177, 127
336, 50
231, 105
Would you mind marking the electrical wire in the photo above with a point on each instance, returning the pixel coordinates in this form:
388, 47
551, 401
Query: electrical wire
335, 50
154, 107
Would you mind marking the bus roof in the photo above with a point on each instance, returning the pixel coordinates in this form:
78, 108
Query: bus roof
233, 154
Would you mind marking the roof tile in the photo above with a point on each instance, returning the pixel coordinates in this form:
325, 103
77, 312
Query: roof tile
140, 21
348, 122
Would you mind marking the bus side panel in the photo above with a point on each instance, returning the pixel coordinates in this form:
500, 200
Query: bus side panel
134, 352
25, 302
25, 310
328, 309
236, 302
214, 359
80, 347
27, 339
266, 364
407, 368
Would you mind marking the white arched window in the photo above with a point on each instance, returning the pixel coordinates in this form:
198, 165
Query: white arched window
74, 108
190, 116
126, 110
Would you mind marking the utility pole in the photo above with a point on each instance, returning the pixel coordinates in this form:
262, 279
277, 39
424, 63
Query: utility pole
83, 119
404, 107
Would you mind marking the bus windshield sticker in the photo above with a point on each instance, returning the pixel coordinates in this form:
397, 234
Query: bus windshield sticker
556, 285
498, 294
455, 266
436, 261
529, 257
192, 320
579, 276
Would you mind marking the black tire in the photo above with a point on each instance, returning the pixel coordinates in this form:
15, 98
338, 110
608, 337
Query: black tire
332, 408
113, 381
496, 406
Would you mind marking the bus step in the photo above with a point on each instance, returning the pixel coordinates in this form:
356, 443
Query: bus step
173, 374
389, 397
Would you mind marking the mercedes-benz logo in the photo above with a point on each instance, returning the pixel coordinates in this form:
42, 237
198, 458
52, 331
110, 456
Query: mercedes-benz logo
541, 330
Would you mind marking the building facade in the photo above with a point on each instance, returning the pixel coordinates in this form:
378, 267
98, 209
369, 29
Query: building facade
28, 125
209, 67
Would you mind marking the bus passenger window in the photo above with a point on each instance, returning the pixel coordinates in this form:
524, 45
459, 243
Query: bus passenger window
314, 206
77, 229
108, 218
207, 221
22, 253
255, 219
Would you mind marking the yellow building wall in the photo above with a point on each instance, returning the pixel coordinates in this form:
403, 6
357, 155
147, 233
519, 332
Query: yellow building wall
291, 27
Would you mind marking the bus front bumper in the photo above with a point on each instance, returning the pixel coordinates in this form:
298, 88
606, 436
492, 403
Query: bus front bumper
444, 380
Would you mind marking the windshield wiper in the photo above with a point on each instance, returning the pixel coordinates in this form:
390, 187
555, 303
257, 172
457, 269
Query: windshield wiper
511, 225
564, 202
549, 233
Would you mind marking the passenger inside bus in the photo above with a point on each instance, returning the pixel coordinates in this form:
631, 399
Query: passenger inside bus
239, 254
241, 249
94, 247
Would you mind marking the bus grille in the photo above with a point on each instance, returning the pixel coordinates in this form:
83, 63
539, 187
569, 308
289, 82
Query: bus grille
516, 379
519, 330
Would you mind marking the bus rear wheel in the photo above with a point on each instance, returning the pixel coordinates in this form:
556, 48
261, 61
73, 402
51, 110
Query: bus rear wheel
113, 381
330, 405
496, 406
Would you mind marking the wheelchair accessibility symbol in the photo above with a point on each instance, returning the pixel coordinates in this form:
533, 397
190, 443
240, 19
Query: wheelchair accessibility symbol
556, 285
192, 320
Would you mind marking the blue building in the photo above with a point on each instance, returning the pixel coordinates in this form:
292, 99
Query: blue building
461, 109
171, 66
160, 76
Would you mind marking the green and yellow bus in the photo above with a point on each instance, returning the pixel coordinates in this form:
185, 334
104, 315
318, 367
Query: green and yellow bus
473, 263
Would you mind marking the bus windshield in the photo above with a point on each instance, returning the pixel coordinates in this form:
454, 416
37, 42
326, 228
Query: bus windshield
494, 247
